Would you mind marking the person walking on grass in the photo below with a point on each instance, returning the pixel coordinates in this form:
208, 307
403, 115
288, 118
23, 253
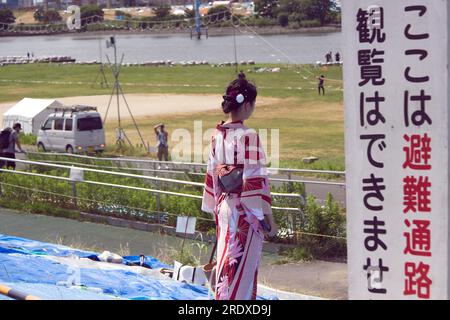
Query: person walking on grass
163, 148
321, 84
237, 193
11, 139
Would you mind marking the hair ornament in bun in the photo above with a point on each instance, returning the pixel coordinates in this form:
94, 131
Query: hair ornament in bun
240, 98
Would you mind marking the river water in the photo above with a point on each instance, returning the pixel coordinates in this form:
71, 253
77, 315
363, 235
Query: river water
289, 48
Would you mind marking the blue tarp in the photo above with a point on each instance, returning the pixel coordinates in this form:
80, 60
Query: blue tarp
32, 267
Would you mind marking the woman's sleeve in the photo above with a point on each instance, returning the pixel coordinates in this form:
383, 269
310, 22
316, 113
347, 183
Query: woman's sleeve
255, 197
208, 202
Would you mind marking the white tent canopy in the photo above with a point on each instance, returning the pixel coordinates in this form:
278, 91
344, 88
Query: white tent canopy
30, 113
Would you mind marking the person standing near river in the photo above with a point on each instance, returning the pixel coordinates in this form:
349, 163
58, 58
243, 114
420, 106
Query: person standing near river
237, 194
338, 57
321, 84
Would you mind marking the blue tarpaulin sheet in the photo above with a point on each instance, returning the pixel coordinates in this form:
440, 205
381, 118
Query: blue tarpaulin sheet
44, 270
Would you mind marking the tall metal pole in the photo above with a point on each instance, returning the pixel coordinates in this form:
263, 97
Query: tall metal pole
116, 85
198, 25
235, 47
234, 39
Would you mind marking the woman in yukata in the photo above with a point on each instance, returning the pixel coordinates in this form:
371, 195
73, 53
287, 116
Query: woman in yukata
243, 215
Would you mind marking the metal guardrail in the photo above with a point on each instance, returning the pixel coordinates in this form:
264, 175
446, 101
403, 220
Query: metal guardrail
180, 171
196, 164
156, 192
103, 184
122, 174
130, 175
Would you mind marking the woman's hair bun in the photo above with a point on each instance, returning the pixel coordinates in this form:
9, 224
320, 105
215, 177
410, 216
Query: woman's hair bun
238, 92
229, 104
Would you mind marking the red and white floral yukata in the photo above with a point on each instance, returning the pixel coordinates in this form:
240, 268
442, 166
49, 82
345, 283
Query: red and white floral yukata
239, 233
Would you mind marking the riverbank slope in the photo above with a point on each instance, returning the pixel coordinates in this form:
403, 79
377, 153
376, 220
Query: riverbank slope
214, 31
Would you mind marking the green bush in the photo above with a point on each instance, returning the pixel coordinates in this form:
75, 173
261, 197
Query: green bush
325, 229
319, 230
27, 139
286, 219
283, 20
218, 13
260, 22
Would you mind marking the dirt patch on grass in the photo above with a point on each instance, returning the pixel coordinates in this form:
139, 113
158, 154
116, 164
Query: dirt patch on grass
145, 106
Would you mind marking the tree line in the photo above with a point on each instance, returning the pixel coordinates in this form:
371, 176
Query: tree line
286, 13
299, 12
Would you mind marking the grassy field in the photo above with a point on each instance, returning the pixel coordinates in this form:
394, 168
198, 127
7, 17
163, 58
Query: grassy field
309, 125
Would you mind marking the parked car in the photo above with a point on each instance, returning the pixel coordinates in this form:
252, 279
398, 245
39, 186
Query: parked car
75, 129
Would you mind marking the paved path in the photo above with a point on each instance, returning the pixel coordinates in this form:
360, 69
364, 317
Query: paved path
317, 278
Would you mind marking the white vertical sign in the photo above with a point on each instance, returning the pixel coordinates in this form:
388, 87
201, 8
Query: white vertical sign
396, 87
186, 225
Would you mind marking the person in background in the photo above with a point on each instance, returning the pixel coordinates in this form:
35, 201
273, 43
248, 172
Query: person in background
330, 54
163, 148
10, 151
321, 84
338, 57
237, 193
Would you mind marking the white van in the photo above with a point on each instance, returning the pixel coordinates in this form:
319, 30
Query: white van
75, 129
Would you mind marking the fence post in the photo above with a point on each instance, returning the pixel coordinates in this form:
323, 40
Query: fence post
299, 223
158, 197
290, 182
74, 193
159, 217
